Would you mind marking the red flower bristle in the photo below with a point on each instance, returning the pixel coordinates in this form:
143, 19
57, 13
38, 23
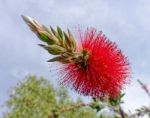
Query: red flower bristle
107, 68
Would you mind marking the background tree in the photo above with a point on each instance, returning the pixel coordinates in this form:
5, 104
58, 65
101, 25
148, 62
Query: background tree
37, 98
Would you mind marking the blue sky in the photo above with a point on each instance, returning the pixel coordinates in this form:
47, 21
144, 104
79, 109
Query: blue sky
127, 22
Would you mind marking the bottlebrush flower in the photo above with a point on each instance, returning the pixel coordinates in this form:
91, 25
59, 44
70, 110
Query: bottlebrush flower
105, 70
96, 68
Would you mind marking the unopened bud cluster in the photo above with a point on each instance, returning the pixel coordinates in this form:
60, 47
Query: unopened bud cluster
58, 43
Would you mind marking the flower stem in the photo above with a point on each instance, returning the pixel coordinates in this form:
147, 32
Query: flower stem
121, 112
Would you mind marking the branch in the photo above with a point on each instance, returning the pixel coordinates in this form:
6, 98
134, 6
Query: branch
74, 107
141, 112
122, 113
55, 114
144, 87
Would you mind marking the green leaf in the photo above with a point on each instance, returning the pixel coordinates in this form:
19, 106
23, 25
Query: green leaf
116, 101
47, 29
58, 58
73, 43
45, 38
56, 36
60, 32
53, 49
67, 41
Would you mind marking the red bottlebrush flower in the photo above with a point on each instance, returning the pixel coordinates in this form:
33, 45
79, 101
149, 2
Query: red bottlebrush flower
104, 72
96, 68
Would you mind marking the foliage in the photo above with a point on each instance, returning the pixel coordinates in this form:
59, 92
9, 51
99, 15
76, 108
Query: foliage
37, 98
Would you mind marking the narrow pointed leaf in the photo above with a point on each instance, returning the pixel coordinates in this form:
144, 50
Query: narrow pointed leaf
58, 58
45, 38
73, 44
60, 32
67, 40
47, 29
53, 49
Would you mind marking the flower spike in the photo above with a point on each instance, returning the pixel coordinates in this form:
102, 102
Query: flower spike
97, 68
